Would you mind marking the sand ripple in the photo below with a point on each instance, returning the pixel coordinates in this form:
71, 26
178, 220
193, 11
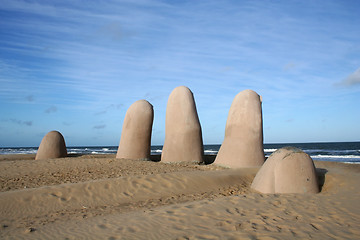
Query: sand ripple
172, 202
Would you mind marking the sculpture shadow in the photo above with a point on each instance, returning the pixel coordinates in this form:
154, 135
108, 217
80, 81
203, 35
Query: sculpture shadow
155, 158
321, 172
208, 159
74, 155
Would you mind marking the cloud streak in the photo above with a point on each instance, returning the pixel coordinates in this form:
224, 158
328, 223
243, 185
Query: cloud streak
30, 98
352, 80
51, 109
20, 122
108, 108
102, 126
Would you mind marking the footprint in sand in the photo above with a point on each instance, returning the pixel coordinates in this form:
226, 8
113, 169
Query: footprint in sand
28, 199
132, 229
190, 206
107, 186
183, 238
276, 203
60, 197
102, 226
210, 237
226, 226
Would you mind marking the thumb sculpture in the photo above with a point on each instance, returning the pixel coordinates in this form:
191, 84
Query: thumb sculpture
52, 146
183, 137
243, 142
135, 141
287, 170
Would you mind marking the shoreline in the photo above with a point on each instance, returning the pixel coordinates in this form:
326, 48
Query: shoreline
324, 151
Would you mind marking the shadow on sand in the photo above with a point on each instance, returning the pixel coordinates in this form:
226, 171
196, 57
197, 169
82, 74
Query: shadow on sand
208, 159
321, 172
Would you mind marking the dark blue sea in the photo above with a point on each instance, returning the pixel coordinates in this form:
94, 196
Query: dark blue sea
348, 152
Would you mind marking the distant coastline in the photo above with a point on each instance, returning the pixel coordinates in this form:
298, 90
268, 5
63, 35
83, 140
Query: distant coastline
348, 152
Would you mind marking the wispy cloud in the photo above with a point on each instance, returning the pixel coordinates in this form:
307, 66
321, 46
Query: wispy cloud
67, 123
30, 98
100, 126
28, 123
114, 30
352, 80
51, 109
101, 112
109, 108
20, 122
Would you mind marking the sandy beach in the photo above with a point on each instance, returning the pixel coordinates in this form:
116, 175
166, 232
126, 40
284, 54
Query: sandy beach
101, 197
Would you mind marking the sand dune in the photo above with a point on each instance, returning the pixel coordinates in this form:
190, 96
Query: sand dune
29, 173
169, 201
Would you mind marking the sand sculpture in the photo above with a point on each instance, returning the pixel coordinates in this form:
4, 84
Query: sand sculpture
135, 142
183, 137
287, 170
243, 142
52, 146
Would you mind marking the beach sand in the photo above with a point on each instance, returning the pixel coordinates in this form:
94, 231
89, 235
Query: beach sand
101, 197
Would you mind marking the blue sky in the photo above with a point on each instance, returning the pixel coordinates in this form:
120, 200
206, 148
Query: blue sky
76, 66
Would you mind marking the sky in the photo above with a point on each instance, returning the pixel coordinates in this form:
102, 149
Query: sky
76, 66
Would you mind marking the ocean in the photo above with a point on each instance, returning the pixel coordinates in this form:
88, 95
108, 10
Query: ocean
348, 152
